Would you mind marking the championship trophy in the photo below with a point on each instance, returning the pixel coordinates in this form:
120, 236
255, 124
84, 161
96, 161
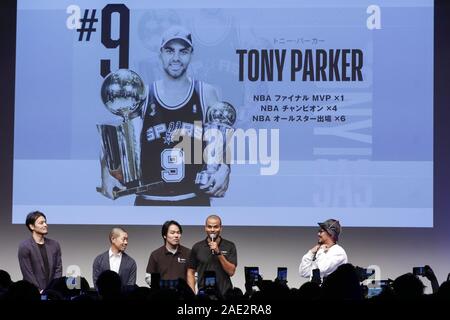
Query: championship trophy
220, 117
123, 93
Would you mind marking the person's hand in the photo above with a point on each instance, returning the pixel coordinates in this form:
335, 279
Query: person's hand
281, 282
110, 181
315, 248
259, 282
217, 184
429, 273
214, 246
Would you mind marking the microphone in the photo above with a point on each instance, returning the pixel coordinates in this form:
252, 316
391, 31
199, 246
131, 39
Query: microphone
315, 253
213, 237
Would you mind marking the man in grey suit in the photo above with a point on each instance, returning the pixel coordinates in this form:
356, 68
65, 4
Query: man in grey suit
116, 259
39, 257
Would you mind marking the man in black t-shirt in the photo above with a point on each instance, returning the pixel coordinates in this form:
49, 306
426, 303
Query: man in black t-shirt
170, 260
213, 254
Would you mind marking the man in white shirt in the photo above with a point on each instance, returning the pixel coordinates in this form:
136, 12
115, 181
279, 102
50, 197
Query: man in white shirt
115, 259
326, 255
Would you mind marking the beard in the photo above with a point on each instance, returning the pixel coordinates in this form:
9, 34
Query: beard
175, 74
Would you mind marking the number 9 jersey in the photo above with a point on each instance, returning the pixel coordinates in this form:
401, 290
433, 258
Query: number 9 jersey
162, 159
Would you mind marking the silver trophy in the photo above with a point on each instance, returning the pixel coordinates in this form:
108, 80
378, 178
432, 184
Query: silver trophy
123, 93
221, 117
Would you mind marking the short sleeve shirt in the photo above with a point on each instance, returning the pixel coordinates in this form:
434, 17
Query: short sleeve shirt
201, 260
170, 266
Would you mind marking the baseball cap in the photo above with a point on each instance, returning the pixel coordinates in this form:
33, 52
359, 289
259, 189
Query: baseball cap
176, 32
332, 227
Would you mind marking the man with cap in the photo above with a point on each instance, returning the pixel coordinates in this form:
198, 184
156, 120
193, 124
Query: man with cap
326, 255
175, 111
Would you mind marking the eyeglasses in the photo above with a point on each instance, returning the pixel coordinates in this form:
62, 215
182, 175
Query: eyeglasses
320, 231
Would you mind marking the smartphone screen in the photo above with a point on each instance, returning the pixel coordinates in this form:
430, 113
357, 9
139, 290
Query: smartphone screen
251, 274
168, 284
210, 279
254, 274
163, 284
374, 291
210, 282
418, 271
173, 284
282, 273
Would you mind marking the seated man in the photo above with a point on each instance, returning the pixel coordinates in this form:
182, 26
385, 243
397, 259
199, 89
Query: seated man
326, 255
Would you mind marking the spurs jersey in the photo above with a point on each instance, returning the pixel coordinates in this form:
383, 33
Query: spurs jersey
160, 159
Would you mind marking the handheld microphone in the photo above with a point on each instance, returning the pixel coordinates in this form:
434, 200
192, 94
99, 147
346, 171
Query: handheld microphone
213, 237
315, 253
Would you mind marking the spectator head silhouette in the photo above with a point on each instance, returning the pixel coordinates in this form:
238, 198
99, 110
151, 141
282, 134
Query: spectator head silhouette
408, 286
109, 285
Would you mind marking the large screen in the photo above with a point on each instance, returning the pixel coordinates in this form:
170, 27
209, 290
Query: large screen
324, 110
